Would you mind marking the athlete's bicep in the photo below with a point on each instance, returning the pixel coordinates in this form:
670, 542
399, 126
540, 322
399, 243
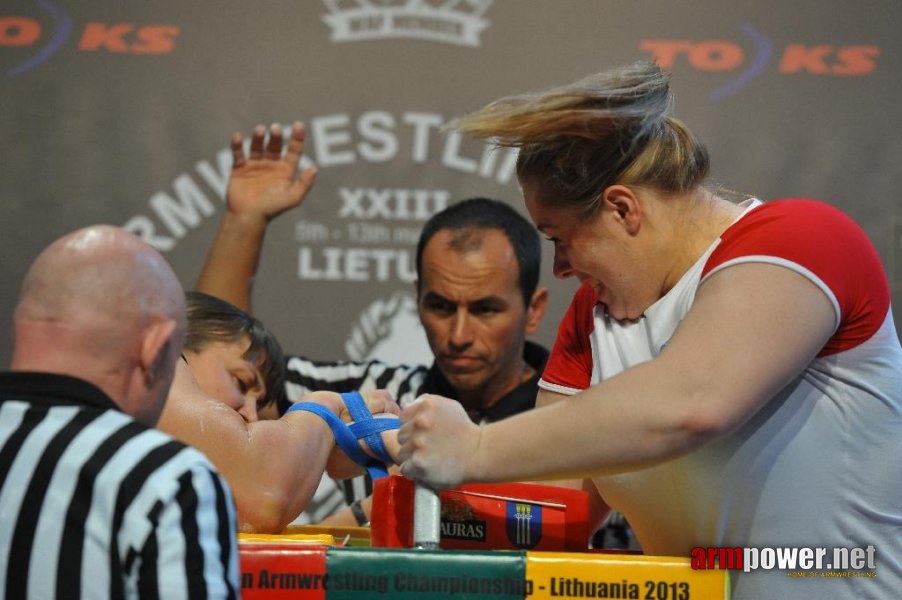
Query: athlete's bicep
752, 329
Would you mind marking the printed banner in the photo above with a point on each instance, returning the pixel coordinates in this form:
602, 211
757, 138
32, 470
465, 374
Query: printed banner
121, 113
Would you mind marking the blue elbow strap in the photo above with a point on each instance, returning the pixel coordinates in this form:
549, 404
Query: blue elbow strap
364, 427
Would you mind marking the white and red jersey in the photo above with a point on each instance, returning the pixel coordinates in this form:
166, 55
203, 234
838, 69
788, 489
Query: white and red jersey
821, 464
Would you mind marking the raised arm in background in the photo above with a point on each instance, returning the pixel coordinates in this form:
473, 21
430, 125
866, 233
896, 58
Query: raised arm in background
263, 184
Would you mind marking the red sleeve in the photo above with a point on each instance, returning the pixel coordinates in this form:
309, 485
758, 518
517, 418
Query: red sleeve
570, 363
823, 244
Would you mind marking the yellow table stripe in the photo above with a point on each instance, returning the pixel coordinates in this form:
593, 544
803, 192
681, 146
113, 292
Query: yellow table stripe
571, 575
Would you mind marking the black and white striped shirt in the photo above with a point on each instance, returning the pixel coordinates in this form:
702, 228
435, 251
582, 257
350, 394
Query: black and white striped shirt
303, 376
96, 505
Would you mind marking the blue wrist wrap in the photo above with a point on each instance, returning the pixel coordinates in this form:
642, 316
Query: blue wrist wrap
364, 427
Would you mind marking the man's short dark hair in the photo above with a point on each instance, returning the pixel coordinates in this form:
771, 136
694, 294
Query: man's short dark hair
484, 213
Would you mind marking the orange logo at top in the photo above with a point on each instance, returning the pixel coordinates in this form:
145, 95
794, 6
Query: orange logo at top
96, 36
723, 55
36, 39
759, 54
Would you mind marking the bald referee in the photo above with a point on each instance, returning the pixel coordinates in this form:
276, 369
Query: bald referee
95, 502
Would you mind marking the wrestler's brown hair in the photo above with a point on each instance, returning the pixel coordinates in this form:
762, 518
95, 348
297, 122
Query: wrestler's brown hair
609, 128
211, 319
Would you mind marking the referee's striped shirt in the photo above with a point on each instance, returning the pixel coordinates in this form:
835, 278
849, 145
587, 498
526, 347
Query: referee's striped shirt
96, 505
303, 376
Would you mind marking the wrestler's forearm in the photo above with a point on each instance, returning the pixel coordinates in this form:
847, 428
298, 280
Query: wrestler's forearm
278, 470
604, 430
232, 261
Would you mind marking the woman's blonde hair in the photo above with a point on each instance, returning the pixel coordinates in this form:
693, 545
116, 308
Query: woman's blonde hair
611, 127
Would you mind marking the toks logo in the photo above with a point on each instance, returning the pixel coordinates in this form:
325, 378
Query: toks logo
725, 55
27, 32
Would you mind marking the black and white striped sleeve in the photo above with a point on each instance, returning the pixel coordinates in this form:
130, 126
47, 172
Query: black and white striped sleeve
191, 549
94, 504
304, 376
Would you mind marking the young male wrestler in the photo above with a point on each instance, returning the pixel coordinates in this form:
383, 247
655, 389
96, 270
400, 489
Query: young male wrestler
232, 365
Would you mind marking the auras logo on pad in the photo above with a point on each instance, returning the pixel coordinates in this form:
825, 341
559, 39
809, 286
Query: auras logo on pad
458, 22
33, 39
746, 61
458, 522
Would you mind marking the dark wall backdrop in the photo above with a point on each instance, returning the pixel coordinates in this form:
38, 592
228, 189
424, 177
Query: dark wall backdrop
120, 112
